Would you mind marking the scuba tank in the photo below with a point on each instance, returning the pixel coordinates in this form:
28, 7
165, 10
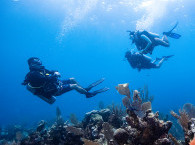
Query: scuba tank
39, 86
49, 100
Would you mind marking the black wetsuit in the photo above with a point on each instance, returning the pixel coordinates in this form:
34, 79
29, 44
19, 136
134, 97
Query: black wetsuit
139, 61
141, 43
45, 82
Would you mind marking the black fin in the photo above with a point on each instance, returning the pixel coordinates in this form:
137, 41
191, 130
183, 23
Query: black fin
94, 84
101, 90
171, 34
89, 95
175, 35
174, 27
167, 57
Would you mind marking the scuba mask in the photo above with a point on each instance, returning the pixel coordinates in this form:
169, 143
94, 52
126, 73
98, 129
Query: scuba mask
34, 61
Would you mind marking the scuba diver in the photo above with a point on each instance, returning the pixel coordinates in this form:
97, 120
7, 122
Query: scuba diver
46, 84
141, 61
146, 41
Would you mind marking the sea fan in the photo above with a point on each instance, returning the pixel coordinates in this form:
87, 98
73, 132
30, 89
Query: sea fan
123, 89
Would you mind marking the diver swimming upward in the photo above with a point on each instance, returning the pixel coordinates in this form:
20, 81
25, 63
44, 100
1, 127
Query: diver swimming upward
146, 41
46, 84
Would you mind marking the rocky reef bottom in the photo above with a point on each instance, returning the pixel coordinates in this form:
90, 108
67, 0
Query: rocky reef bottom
134, 124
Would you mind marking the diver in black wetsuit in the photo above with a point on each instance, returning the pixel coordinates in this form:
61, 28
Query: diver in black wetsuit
146, 41
46, 83
141, 61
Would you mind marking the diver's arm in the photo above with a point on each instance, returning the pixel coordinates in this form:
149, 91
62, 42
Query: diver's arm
148, 40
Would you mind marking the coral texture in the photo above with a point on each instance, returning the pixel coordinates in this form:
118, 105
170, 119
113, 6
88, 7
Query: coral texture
133, 124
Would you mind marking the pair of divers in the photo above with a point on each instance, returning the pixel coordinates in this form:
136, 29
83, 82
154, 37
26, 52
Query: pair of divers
145, 43
47, 84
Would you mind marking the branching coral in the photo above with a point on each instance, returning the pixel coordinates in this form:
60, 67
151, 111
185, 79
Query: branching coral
108, 133
189, 109
58, 133
146, 131
144, 94
117, 112
186, 121
136, 104
137, 125
73, 119
144, 127
176, 142
59, 119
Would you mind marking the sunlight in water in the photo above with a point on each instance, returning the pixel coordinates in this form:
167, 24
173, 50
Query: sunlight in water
78, 10
153, 11
76, 14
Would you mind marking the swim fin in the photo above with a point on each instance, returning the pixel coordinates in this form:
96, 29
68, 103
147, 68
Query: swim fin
175, 35
157, 59
94, 84
89, 95
169, 56
171, 34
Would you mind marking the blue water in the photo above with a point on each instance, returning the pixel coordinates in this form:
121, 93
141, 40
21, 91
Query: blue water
87, 40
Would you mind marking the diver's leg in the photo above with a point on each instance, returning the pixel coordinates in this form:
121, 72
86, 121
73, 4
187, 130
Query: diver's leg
158, 59
165, 39
70, 81
154, 61
78, 88
73, 81
63, 88
160, 63
150, 65
163, 42
68, 85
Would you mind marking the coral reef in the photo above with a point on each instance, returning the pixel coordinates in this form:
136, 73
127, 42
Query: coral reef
74, 120
136, 104
186, 120
133, 124
93, 121
117, 114
144, 94
58, 133
12, 134
146, 131
143, 126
